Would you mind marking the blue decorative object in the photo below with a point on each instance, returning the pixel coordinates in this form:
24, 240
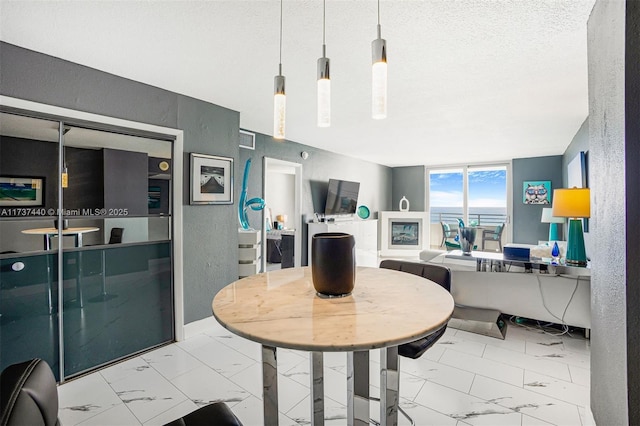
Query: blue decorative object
256, 203
555, 252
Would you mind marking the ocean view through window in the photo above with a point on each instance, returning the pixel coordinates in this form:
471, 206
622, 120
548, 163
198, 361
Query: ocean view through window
475, 194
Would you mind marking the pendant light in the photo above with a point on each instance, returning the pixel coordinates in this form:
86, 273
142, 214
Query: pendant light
279, 98
379, 75
324, 81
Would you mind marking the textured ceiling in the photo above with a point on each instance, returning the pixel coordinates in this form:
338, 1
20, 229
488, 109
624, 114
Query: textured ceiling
469, 80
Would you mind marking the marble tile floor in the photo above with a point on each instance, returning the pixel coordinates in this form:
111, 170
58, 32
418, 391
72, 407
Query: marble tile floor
530, 378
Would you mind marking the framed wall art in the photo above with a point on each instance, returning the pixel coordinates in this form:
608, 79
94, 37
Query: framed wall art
536, 192
211, 179
21, 191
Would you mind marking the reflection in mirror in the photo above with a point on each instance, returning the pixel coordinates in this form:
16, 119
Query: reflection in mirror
115, 269
112, 180
28, 181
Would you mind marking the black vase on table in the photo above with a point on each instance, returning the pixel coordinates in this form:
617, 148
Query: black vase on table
333, 263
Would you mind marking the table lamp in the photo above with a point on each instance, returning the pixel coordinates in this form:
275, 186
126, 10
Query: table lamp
548, 217
573, 203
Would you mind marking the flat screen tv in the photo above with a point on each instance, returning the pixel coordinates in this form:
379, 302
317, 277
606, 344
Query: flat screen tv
342, 197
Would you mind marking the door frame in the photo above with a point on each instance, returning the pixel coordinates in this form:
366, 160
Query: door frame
268, 165
177, 182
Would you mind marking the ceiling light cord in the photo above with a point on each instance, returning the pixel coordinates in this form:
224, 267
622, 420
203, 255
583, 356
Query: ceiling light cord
280, 58
379, 74
324, 78
324, 14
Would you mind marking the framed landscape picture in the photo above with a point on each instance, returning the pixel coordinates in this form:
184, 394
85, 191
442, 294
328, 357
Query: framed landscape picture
21, 191
211, 179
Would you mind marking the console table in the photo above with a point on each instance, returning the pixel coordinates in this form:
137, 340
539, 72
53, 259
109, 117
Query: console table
482, 258
280, 309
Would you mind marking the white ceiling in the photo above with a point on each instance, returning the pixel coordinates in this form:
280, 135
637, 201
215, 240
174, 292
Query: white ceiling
469, 80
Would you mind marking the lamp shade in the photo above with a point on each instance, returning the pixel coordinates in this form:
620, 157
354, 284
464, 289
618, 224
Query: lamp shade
548, 217
571, 202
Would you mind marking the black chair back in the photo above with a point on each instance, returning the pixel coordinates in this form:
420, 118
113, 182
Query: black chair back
28, 394
436, 273
116, 235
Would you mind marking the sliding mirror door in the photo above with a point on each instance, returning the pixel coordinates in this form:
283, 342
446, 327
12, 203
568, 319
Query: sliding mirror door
29, 321
91, 209
117, 204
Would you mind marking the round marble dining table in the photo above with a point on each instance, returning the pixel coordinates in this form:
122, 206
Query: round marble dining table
280, 309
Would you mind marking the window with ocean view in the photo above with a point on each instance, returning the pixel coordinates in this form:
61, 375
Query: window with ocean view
475, 194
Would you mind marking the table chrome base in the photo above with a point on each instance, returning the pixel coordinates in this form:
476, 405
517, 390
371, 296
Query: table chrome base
487, 322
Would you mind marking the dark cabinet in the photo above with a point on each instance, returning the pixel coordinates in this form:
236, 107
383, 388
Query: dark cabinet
110, 180
125, 183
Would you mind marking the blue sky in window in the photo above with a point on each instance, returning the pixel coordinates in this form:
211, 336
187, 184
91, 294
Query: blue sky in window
487, 188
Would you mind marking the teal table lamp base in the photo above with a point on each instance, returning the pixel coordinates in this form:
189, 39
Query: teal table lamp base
576, 254
553, 232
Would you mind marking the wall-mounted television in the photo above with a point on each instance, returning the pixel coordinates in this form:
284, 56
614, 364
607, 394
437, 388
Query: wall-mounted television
342, 197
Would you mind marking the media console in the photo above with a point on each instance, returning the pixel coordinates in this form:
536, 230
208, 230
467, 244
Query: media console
365, 233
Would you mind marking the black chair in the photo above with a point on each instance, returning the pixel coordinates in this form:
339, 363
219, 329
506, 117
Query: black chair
436, 273
116, 235
216, 413
495, 236
28, 396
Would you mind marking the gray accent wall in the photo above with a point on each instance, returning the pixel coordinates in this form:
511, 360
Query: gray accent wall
375, 180
614, 147
409, 182
527, 228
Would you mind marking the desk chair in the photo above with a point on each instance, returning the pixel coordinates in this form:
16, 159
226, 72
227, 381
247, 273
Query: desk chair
28, 396
447, 233
116, 235
436, 273
495, 236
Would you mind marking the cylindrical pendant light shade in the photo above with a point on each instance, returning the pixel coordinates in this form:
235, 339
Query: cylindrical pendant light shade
379, 90
379, 78
324, 93
279, 108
